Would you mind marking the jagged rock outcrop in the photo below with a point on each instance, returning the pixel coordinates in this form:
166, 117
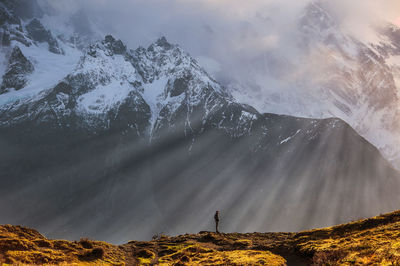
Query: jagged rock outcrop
19, 67
38, 33
10, 26
116, 46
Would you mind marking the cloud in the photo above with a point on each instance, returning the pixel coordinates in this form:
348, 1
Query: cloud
358, 17
199, 26
209, 27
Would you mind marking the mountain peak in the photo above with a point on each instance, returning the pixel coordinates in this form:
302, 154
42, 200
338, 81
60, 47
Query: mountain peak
162, 42
109, 39
116, 46
39, 33
18, 68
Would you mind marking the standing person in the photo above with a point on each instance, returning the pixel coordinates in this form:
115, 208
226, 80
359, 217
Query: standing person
216, 219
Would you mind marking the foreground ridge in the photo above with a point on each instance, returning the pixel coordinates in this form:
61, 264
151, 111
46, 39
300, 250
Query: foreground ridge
369, 241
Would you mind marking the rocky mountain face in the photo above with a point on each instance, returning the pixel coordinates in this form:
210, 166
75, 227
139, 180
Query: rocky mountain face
38, 33
18, 69
116, 143
336, 75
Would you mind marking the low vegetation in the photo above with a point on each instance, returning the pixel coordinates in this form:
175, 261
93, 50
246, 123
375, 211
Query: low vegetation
20, 245
374, 241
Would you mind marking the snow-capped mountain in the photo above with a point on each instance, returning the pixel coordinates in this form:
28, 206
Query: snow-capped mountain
117, 143
335, 75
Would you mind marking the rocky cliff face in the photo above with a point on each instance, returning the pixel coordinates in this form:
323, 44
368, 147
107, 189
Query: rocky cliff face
19, 67
38, 33
148, 136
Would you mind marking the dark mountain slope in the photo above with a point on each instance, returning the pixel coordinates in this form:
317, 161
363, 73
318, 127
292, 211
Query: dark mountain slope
324, 174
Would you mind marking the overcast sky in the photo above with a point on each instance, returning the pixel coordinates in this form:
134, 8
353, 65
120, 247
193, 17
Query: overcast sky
220, 29
199, 22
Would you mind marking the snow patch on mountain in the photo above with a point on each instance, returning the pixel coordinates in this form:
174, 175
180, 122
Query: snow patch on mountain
50, 68
290, 137
103, 98
153, 94
104, 67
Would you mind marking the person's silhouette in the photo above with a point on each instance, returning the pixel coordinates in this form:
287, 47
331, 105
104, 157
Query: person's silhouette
216, 218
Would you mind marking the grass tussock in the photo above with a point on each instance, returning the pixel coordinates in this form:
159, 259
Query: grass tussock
86, 243
92, 255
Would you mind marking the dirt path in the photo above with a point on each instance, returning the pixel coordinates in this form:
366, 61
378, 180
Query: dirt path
294, 259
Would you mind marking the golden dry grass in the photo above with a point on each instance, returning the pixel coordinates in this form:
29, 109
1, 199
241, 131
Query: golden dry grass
20, 245
374, 241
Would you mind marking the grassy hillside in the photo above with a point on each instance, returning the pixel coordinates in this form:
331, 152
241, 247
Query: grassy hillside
370, 241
